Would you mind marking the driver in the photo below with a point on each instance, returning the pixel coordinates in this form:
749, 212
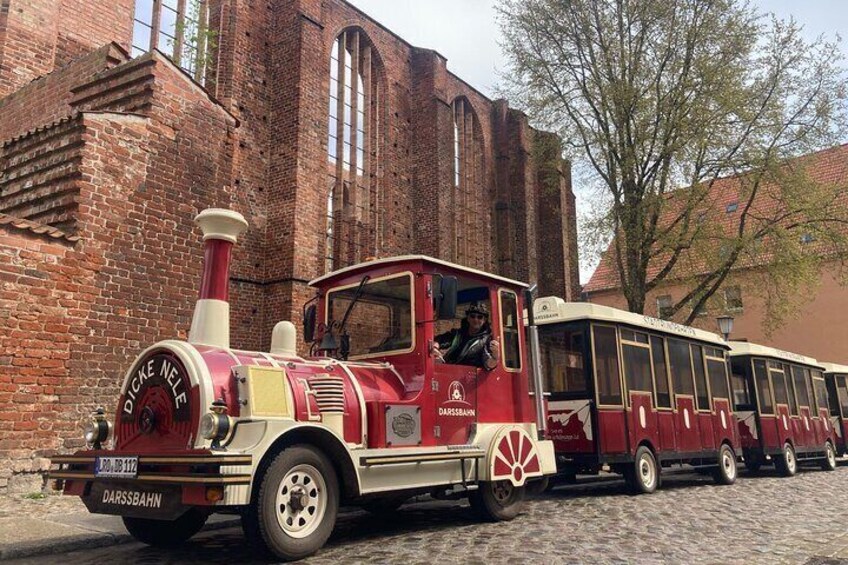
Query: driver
471, 343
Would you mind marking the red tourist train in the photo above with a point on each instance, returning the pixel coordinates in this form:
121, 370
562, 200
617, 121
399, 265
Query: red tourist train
635, 393
836, 379
783, 408
372, 418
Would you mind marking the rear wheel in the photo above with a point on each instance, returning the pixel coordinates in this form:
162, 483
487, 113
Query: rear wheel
725, 474
786, 463
497, 501
166, 533
644, 476
297, 503
829, 461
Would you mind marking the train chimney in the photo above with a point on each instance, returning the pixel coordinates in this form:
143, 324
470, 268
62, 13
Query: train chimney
211, 322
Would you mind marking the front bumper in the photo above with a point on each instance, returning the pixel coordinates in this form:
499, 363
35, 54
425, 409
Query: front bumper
166, 484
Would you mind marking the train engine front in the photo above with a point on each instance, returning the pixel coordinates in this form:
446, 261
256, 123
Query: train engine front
283, 440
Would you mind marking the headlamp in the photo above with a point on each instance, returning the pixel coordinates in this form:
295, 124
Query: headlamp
216, 425
97, 429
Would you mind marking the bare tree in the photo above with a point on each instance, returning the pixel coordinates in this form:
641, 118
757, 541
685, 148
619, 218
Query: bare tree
656, 95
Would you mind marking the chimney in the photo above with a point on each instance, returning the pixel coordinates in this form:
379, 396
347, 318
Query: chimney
211, 322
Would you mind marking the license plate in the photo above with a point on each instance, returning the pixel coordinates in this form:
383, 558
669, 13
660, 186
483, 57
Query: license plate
116, 467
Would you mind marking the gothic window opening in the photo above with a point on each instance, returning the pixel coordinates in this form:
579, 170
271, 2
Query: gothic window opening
352, 231
469, 206
177, 28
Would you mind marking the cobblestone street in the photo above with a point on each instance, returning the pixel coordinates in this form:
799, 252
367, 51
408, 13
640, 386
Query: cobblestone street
763, 519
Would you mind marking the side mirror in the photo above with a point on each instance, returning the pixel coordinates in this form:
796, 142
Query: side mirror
309, 316
444, 298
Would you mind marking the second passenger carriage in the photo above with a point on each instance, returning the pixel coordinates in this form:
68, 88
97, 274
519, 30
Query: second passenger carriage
635, 393
836, 379
782, 404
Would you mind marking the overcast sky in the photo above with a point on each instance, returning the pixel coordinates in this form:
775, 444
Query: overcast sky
466, 33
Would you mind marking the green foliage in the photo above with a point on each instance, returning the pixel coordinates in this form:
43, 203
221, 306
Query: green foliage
35, 496
653, 95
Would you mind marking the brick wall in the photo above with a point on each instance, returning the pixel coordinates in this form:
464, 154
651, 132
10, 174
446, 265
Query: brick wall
48, 98
129, 151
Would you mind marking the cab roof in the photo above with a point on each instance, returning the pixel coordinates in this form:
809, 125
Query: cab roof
552, 309
389, 261
739, 348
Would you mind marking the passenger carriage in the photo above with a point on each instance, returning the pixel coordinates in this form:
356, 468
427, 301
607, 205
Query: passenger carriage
782, 406
836, 379
369, 418
635, 393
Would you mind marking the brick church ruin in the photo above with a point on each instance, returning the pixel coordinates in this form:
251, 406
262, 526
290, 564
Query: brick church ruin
338, 140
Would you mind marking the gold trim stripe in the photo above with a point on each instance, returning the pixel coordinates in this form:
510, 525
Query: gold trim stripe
164, 460
397, 459
184, 479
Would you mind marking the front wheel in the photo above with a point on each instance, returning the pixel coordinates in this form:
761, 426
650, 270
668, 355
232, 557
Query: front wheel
297, 504
166, 533
786, 463
829, 461
497, 501
643, 477
725, 474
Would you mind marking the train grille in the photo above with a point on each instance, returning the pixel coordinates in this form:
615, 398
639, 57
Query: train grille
329, 393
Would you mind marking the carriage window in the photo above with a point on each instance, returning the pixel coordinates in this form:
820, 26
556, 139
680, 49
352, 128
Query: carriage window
660, 372
637, 367
842, 392
790, 388
763, 387
741, 394
808, 382
562, 359
717, 370
630, 335
703, 396
821, 391
800, 386
680, 363
509, 330
606, 365
832, 396
778, 383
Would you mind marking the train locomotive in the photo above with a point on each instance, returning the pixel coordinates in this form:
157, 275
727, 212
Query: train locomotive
371, 417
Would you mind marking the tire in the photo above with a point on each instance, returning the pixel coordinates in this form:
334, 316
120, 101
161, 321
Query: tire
786, 464
384, 505
643, 477
829, 461
166, 533
497, 501
725, 473
297, 504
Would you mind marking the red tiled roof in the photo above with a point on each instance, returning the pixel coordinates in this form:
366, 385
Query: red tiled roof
36, 228
827, 166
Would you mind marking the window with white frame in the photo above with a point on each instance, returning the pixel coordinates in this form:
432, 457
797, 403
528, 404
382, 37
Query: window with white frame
664, 307
178, 28
733, 298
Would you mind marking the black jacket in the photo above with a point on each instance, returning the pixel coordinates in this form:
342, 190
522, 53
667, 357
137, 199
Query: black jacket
460, 348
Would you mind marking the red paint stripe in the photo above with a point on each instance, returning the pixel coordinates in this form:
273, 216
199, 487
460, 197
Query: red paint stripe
216, 270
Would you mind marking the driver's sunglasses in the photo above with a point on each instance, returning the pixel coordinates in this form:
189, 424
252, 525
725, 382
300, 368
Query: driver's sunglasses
477, 316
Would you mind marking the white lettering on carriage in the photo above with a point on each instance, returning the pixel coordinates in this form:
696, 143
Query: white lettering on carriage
132, 498
457, 412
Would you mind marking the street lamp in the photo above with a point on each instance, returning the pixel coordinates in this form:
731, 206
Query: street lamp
725, 325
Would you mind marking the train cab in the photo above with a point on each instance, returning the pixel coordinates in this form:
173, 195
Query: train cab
782, 406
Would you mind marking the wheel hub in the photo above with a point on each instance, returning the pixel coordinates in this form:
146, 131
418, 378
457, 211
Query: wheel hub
301, 501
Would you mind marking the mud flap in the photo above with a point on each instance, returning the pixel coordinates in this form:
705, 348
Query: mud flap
137, 500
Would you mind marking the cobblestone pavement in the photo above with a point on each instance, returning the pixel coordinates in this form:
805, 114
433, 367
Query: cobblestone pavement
763, 519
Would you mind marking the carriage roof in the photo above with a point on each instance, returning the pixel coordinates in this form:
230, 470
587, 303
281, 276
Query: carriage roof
552, 309
740, 348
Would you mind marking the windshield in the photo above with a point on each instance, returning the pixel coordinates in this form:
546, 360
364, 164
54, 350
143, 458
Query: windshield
381, 319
